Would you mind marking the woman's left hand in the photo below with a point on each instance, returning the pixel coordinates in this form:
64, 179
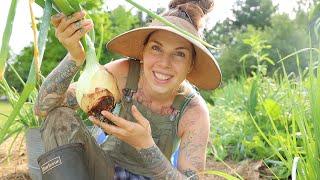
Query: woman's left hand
137, 134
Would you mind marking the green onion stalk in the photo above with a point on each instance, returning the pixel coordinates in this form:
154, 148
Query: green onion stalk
30, 86
6, 38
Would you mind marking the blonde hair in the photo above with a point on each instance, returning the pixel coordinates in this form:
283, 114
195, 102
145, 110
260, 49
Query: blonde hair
186, 88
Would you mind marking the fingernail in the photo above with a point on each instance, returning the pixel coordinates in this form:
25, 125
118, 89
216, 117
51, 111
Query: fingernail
69, 17
91, 118
134, 108
104, 112
57, 15
88, 26
87, 22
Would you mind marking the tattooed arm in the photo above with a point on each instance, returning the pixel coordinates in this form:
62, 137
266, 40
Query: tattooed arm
55, 90
194, 132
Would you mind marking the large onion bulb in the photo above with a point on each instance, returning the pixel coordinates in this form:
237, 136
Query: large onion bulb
96, 88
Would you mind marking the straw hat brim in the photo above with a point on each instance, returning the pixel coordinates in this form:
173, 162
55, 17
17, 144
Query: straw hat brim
205, 74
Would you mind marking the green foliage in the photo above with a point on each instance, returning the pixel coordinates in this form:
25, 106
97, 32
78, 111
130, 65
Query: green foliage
253, 12
249, 52
53, 55
4, 51
275, 119
314, 27
18, 101
5, 111
118, 17
258, 18
256, 13
287, 37
112, 23
92, 5
227, 120
314, 13
272, 108
253, 98
258, 46
121, 20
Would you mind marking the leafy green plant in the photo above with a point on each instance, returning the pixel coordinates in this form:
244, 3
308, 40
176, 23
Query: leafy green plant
257, 45
6, 37
31, 83
280, 124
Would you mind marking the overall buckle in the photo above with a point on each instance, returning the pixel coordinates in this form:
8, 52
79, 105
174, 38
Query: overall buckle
128, 93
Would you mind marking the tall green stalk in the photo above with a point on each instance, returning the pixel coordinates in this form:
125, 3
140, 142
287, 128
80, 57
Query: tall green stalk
315, 118
32, 80
304, 120
6, 37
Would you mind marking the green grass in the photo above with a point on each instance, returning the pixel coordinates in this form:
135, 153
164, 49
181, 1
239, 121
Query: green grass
5, 108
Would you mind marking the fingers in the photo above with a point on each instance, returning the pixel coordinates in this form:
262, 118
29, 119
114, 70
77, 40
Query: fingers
56, 19
68, 20
117, 120
81, 32
77, 34
110, 129
74, 27
69, 29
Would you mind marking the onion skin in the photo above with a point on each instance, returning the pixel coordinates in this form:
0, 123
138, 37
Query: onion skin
95, 103
91, 101
94, 85
104, 105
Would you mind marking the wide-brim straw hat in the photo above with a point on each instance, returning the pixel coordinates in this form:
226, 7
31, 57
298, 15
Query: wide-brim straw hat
205, 74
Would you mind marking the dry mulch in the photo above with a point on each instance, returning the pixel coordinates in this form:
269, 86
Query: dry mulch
15, 165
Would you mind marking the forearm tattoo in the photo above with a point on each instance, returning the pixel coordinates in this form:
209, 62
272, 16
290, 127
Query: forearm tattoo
52, 93
160, 167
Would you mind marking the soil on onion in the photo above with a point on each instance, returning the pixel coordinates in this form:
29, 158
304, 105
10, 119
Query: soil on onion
14, 166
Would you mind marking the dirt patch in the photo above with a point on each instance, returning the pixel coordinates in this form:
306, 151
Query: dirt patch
15, 165
247, 169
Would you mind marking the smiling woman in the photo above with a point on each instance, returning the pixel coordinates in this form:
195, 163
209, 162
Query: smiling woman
160, 111
167, 60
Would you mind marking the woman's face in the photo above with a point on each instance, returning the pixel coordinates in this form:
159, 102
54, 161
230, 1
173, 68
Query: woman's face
166, 61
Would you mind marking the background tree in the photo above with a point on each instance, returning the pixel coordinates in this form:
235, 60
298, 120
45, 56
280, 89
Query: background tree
253, 12
252, 17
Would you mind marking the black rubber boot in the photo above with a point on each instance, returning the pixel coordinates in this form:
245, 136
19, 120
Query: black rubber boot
64, 162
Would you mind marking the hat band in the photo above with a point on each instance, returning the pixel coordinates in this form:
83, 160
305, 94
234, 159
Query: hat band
181, 23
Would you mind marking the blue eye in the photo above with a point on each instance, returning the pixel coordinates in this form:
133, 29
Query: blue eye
181, 54
156, 48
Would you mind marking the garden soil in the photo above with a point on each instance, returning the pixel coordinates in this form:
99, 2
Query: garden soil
15, 165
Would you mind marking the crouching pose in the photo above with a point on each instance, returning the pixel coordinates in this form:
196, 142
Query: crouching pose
160, 110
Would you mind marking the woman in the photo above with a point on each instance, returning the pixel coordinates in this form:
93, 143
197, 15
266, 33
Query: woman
159, 108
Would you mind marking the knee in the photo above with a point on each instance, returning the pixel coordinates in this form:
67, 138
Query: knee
61, 119
61, 126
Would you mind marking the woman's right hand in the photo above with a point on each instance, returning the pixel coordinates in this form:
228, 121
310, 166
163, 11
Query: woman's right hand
69, 31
